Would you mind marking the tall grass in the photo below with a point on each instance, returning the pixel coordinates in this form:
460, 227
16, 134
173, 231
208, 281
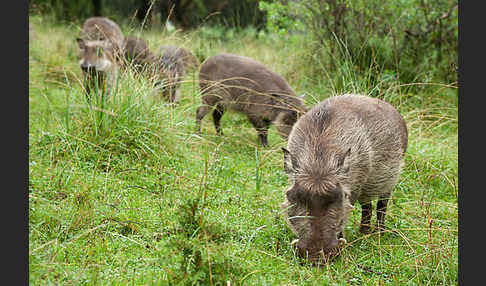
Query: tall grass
125, 192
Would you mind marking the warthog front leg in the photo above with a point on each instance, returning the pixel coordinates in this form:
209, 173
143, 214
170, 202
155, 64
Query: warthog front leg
261, 125
217, 114
380, 214
366, 212
200, 113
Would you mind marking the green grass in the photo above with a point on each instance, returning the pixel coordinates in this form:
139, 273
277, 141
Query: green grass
130, 194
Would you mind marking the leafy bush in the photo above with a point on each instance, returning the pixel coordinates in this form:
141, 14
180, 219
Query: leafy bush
407, 38
63, 10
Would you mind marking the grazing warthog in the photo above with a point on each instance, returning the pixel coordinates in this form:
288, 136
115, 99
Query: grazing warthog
190, 61
100, 43
244, 85
168, 69
344, 149
137, 53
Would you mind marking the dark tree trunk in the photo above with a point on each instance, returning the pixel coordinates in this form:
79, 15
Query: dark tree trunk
142, 12
183, 14
97, 7
164, 7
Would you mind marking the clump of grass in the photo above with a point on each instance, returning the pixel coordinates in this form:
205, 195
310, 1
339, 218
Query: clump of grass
198, 240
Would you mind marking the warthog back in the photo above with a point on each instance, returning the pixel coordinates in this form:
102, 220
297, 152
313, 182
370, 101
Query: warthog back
101, 29
190, 60
347, 148
244, 85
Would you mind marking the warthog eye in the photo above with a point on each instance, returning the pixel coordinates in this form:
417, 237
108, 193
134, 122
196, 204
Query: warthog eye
298, 195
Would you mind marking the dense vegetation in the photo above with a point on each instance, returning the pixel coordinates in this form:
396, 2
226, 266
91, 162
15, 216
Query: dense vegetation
125, 192
185, 14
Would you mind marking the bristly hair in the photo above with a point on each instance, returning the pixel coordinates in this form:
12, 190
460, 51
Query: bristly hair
317, 182
303, 196
319, 171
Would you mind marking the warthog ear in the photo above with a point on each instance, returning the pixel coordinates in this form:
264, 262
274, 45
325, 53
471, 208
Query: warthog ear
299, 195
290, 164
81, 43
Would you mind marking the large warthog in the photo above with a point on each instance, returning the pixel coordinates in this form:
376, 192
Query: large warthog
344, 149
244, 85
100, 44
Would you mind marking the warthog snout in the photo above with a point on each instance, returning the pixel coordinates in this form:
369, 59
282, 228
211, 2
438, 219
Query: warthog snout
320, 245
318, 254
87, 68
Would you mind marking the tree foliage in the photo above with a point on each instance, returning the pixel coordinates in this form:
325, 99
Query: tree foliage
66, 10
403, 36
183, 13
411, 40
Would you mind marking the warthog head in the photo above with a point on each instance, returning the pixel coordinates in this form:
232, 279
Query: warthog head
317, 206
96, 56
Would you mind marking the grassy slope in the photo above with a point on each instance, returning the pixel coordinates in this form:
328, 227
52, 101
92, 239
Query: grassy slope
141, 199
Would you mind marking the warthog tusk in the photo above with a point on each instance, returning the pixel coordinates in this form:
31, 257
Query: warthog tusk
342, 240
294, 241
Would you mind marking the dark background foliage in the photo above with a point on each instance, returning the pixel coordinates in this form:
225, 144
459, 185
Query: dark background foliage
409, 41
185, 14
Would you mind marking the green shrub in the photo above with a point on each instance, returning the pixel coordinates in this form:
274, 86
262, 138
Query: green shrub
414, 40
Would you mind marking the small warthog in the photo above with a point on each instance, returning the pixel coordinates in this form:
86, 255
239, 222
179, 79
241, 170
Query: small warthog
100, 43
346, 148
169, 70
190, 61
137, 54
244, 85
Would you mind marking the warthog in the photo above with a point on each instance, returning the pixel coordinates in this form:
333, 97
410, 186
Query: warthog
190, 61
168, 69
244, 85
100, 43
344, 149
137, 53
